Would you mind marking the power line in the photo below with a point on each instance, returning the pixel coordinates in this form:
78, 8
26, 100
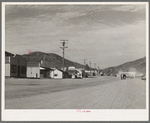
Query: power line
63, 48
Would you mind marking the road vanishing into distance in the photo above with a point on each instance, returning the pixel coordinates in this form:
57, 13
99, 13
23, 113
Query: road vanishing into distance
100, 92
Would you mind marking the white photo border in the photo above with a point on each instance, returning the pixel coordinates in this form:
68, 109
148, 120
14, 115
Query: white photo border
71, 114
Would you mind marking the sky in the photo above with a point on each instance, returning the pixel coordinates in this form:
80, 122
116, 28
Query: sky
108, 35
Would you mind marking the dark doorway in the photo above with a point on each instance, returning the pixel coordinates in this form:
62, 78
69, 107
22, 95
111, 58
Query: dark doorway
18, 71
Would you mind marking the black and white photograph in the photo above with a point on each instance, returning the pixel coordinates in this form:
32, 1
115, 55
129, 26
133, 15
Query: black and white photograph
75, 61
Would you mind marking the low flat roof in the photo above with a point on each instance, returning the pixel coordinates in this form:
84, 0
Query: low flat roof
41, 68
8, 54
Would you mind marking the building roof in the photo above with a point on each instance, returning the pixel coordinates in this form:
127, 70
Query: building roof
45, 68
37, 64
41, 68
71, 71
8, 54
59, 70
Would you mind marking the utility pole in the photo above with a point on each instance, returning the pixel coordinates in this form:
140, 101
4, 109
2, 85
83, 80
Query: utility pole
94, 65
98, 70
84, 61
90, 64
95, 68
90, 67
63, 48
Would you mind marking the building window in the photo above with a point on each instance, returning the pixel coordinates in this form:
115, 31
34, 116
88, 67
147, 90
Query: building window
13, 68
55, 74
23, 70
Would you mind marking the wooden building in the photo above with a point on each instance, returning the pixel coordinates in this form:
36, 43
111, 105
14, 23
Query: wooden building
33, 70
36, 70
15, 65
58, 74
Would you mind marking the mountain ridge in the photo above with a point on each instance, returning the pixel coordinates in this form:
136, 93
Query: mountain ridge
52, 59
138, 66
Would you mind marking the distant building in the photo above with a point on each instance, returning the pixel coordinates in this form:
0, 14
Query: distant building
82, 68
33, 70
71, 73
44, 72
15, 65
74, 68
70, 68
74, 73
92, 72
36, 70
56, 74
88, 72
65, 68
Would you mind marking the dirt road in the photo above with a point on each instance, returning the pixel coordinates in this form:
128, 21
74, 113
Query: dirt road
90, 93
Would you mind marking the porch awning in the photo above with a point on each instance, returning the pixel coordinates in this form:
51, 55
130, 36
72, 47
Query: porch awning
41, 68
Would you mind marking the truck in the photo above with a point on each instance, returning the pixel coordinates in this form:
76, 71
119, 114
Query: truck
125, 75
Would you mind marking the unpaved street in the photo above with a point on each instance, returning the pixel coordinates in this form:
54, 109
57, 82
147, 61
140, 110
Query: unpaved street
90, 93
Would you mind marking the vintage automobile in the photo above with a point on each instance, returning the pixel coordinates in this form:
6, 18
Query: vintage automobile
125, 75
78, 74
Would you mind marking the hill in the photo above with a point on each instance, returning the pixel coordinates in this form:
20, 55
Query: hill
138, 66
51, 59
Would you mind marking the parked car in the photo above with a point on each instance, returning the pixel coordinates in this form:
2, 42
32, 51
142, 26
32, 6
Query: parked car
78, 74
123, 76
